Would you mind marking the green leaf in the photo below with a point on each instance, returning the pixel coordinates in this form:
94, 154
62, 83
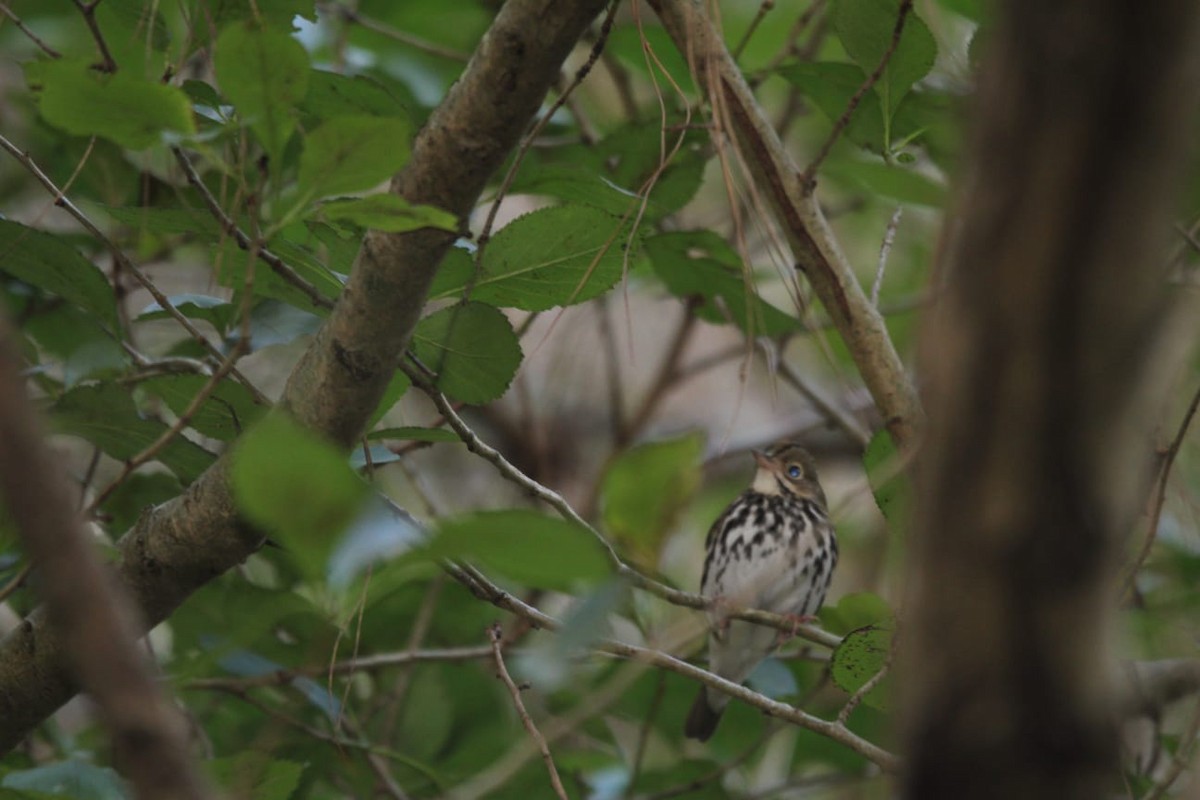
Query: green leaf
217, 312
830, 86
45, 261
130, 111
297, 487
414, 434
890, 484
644, 490
866, 28
860, 656
389, 212
352, 154
73, 778
253, 774
264, 73
397, 386
885, 180
524, 546
171, 221
471, 348
699, 264
855, 610
333, 95
225, 414
105, 415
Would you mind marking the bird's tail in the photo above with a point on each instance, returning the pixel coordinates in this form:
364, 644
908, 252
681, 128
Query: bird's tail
702, 719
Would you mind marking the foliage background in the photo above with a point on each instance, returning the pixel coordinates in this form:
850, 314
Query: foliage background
632, 326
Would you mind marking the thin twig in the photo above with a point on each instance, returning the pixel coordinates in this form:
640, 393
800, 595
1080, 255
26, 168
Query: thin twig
230, 228
33, 37
829, 409
496, 635
127, 264
488, 591
889, 236
1159, 498
558, 503
763, 8
88, 10
417, 43
1179, 761
808, 178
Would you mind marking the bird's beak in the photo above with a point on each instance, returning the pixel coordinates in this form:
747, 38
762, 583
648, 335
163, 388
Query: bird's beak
762, 459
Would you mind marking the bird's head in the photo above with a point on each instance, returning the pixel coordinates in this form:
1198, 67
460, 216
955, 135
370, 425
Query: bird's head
787, 468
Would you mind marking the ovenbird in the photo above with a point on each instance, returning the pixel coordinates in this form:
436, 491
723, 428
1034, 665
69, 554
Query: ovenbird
774, 549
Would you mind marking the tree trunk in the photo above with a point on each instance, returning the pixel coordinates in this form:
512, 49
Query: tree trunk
1039, 365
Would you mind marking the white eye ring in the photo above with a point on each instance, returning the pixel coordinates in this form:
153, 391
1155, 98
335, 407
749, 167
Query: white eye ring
793, 471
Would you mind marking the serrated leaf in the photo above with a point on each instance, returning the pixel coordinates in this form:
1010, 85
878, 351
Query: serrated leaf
524, 546
264, 73
352, 154
860, 656
699, 264
471, 348
105, 415
644, 490
890, 485
297, 487
553, 257
225, 414
388, 212
830, 86
866, 28
130, 111
45, 261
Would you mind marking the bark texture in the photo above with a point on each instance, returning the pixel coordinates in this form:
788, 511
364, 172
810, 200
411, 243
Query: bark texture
1040, 362
179, 546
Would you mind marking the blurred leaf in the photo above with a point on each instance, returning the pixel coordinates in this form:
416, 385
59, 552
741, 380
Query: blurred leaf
75, 779
252, 774
264, 73
472, 349
855, 610
331, 94
130, 111
866, 28
524, 546
105, 415
273, 322
414, 434
224, 415
830, 86
166, 220
551, 257
247, 664
888, 181
296, 487
139, 493
548, 660
397, 386
45, 261
644, 490
772, 678
219, 313
382, 530
388, 212
352, 154
699, 264
859, 657
891, 486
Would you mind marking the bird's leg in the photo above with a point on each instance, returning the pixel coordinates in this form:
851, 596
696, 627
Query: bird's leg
795, 621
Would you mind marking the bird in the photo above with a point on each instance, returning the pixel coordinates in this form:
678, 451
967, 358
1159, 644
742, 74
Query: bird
773, 548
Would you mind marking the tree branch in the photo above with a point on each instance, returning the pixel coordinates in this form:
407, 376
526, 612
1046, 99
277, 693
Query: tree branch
814, 248
179, 546
89, 612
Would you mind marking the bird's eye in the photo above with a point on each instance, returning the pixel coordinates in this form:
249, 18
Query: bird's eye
793, 472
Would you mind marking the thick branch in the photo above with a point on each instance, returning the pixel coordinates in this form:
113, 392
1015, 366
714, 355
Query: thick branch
814, 248
93, 617
179, 546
